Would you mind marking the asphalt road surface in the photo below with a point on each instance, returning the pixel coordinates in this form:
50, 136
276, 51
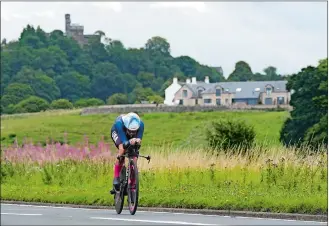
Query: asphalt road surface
12, 214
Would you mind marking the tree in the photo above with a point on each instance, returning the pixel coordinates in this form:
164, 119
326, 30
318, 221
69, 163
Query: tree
31, 104
158, 46
117, 98
73, 86
61, 104
42, 85
106, 80
155, 99
308, 122
242, 72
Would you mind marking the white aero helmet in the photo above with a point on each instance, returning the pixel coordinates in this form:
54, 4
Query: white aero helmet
131, 121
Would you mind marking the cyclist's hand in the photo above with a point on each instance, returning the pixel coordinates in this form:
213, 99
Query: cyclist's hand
132, 141
138, 141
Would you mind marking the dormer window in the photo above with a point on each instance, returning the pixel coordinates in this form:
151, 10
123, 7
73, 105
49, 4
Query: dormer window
268, 91
199, 93
218, 92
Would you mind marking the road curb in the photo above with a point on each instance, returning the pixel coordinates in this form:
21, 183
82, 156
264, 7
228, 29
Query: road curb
284, 216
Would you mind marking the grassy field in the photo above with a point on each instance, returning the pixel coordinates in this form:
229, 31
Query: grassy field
278, 180
160, 128
181, 173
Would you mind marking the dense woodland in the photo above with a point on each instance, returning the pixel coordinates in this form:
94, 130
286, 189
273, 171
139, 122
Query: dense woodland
53, 66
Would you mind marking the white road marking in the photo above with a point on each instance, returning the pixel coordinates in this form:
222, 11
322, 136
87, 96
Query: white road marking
159, 212
23, 214
150, 221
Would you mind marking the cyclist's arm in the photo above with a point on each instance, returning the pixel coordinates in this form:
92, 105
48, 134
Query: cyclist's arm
121, 134
140, 131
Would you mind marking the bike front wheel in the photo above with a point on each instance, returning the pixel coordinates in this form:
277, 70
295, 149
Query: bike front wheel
119, 196
133, 187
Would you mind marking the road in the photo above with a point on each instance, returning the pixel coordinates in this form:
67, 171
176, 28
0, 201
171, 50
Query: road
12, 214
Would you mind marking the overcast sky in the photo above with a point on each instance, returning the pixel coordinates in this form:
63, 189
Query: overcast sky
286, 35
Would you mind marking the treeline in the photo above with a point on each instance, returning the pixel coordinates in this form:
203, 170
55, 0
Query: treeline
53, 66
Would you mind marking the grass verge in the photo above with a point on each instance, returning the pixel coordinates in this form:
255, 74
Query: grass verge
277, 180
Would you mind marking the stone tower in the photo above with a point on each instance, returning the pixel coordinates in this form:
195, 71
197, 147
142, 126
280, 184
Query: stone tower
68, 24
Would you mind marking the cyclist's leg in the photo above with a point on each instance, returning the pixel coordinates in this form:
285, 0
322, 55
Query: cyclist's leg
118, 164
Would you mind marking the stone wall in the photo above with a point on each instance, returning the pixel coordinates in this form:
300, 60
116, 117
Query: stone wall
148, 108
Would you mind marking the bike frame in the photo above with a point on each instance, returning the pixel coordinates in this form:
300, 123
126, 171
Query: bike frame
131, 152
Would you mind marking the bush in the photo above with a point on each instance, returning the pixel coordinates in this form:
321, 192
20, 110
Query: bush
82, 103
117, 98
61, 104
230, 135
31, 104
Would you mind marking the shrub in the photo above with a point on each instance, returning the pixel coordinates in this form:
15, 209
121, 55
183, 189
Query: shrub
61, 104
84, 102
227, 134
117, 98
31, 104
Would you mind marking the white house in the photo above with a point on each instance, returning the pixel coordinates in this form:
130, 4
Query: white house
171, 91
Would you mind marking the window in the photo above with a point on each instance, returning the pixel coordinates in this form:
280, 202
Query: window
218, 92
184, 93
207, 101
199, 93
226, 101
218, 101
180, 102
268, 91
280, 100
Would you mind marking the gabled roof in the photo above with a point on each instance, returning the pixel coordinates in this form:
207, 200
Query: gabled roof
250, 89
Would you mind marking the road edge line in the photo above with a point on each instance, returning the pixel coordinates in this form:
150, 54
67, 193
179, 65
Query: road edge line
283, 216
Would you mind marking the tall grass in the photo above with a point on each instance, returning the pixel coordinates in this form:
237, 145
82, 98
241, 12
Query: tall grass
271, 179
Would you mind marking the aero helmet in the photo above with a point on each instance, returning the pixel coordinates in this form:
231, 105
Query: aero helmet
131, 121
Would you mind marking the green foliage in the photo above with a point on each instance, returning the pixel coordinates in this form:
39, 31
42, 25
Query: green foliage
117, 98
31, 104
308, 124
61, 104
231, 134
88, 102
55, 66
155, 99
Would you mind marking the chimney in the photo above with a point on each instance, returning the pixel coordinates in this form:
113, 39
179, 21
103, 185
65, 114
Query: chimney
206, 80
188, 81
175, 80
193, 80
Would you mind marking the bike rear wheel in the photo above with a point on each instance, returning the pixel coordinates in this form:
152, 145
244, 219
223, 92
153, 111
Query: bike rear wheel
119, 196
133, 188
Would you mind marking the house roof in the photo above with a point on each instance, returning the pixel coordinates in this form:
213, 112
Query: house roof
240, 89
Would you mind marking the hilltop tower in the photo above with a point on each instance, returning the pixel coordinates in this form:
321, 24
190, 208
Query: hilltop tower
68, 24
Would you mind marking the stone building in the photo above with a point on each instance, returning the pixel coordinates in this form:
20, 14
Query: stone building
76, 31
204, 93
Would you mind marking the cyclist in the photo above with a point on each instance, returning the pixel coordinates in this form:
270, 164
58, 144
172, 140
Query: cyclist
127, 130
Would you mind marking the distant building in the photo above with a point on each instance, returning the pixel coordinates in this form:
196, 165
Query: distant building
195, 92
76, 31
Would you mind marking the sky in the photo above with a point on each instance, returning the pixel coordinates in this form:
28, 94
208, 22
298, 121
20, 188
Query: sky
286, 35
